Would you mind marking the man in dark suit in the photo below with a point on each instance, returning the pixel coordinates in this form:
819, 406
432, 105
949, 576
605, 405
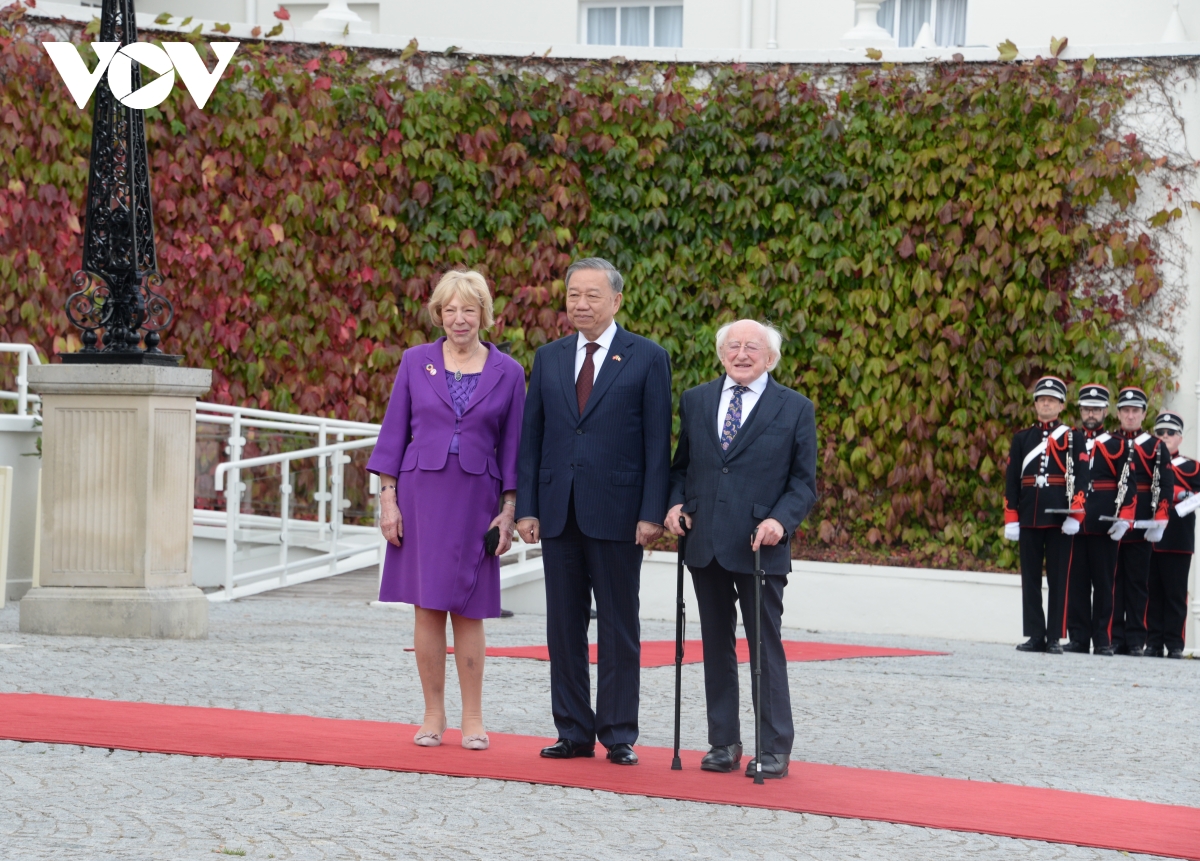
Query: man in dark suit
592, 486
743, 477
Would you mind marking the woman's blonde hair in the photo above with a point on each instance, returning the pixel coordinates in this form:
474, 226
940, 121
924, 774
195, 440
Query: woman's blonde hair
465, 284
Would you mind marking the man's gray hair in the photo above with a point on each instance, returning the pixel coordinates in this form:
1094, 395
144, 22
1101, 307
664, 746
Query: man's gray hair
615, 281
774, 340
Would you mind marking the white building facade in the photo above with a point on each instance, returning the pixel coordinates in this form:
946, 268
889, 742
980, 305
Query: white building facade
720, 25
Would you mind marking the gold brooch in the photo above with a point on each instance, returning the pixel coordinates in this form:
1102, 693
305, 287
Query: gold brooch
432, 370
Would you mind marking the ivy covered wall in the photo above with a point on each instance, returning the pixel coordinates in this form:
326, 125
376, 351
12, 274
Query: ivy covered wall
924, 237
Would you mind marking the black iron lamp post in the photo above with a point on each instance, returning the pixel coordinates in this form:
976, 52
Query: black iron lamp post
116, 305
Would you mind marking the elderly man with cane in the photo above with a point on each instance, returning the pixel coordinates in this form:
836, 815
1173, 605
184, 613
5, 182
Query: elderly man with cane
742, 480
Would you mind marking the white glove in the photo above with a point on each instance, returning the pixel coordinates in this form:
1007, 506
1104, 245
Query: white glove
1012, 531
1118, 530
1070, 526
1155, 533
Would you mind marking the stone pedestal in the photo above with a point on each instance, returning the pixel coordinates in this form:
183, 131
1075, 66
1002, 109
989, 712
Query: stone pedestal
118, 475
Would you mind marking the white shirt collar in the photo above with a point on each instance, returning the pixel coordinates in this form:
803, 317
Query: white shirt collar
757, 386
605, 339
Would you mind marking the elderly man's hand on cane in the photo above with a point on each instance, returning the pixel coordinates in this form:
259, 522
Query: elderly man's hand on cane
678, 522
769, 533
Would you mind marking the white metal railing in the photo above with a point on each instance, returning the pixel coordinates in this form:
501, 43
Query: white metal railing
329, 536
239, 419
25, 353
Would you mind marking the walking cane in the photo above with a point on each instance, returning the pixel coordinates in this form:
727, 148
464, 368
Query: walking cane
758, 584
680, 626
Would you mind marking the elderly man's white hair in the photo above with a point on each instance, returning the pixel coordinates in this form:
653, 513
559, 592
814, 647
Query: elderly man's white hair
770, 333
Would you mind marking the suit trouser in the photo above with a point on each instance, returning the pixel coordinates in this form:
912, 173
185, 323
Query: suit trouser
1051, 547
717, 593
1131, 595
1168, 600
1093, 567
576, 568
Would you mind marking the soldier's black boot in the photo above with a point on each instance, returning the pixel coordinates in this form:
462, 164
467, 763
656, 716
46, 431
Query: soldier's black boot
1033, 644
1053, 647
1076, 648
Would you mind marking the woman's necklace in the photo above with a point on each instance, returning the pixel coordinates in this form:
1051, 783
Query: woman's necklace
458, 369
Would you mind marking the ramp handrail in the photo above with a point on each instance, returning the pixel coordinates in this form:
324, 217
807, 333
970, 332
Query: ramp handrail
24, 352
233, 503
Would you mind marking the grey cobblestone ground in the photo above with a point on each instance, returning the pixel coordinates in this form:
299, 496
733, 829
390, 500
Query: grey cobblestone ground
1121, 727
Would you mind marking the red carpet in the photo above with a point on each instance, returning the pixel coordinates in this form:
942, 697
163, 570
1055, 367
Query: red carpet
661, 653
830, 790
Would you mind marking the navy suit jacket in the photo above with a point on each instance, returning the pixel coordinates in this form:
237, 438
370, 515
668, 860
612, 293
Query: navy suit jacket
616, 457
770, 470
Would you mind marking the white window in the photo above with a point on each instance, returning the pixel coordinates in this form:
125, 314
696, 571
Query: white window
903, 19
645, 24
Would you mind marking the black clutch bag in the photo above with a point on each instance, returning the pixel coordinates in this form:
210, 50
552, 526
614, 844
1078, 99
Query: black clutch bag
491, 540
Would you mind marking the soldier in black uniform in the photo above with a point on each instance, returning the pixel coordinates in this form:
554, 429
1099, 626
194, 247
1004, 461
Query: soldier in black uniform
1093, 410
1039, 460
1172, 557
1110, 493
1152, 482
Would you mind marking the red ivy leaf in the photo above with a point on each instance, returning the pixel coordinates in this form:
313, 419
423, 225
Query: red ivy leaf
906, 247
283, 14
323, 83
312, 65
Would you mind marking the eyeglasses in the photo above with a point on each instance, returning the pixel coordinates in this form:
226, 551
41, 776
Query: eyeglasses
732, 348
1165, 432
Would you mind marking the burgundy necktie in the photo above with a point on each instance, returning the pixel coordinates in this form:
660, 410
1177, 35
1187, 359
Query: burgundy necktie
587, 376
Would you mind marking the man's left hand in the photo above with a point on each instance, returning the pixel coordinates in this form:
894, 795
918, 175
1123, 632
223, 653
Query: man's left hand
648, 533
769, 532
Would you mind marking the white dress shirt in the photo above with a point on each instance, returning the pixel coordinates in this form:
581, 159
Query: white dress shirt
605, 341
749, 399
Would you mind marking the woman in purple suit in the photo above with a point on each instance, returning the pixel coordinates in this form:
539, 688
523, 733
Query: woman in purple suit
446, 455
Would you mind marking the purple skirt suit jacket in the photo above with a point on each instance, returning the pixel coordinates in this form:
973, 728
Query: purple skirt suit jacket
448, 500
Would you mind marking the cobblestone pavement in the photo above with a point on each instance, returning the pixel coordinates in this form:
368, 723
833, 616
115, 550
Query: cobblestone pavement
1117, 726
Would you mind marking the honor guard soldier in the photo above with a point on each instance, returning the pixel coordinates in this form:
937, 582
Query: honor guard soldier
1172, 557
1039, 464
1093, 410
1109, 504
1152, 482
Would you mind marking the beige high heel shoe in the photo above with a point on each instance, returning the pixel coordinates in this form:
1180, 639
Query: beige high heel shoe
427, 739
476, 742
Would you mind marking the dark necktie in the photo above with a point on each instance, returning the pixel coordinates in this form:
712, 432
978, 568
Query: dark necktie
587, 376
733, 417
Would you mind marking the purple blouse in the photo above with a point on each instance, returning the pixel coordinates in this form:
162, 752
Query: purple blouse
460, 394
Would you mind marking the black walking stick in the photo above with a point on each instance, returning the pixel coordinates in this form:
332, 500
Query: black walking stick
758, 584
680, 626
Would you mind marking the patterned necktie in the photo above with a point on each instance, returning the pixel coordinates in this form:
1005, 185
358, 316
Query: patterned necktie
733, 418
587, 376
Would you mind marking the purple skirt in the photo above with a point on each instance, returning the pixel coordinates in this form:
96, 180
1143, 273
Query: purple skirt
441, 563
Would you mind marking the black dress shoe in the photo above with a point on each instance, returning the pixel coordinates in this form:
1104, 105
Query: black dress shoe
622, 754
1153, 651
1136, 651
1033, 644
1120, 649
774, 766
1175, 653
564, 748
1107, 651
1076, 648
723, 758
1053, 647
